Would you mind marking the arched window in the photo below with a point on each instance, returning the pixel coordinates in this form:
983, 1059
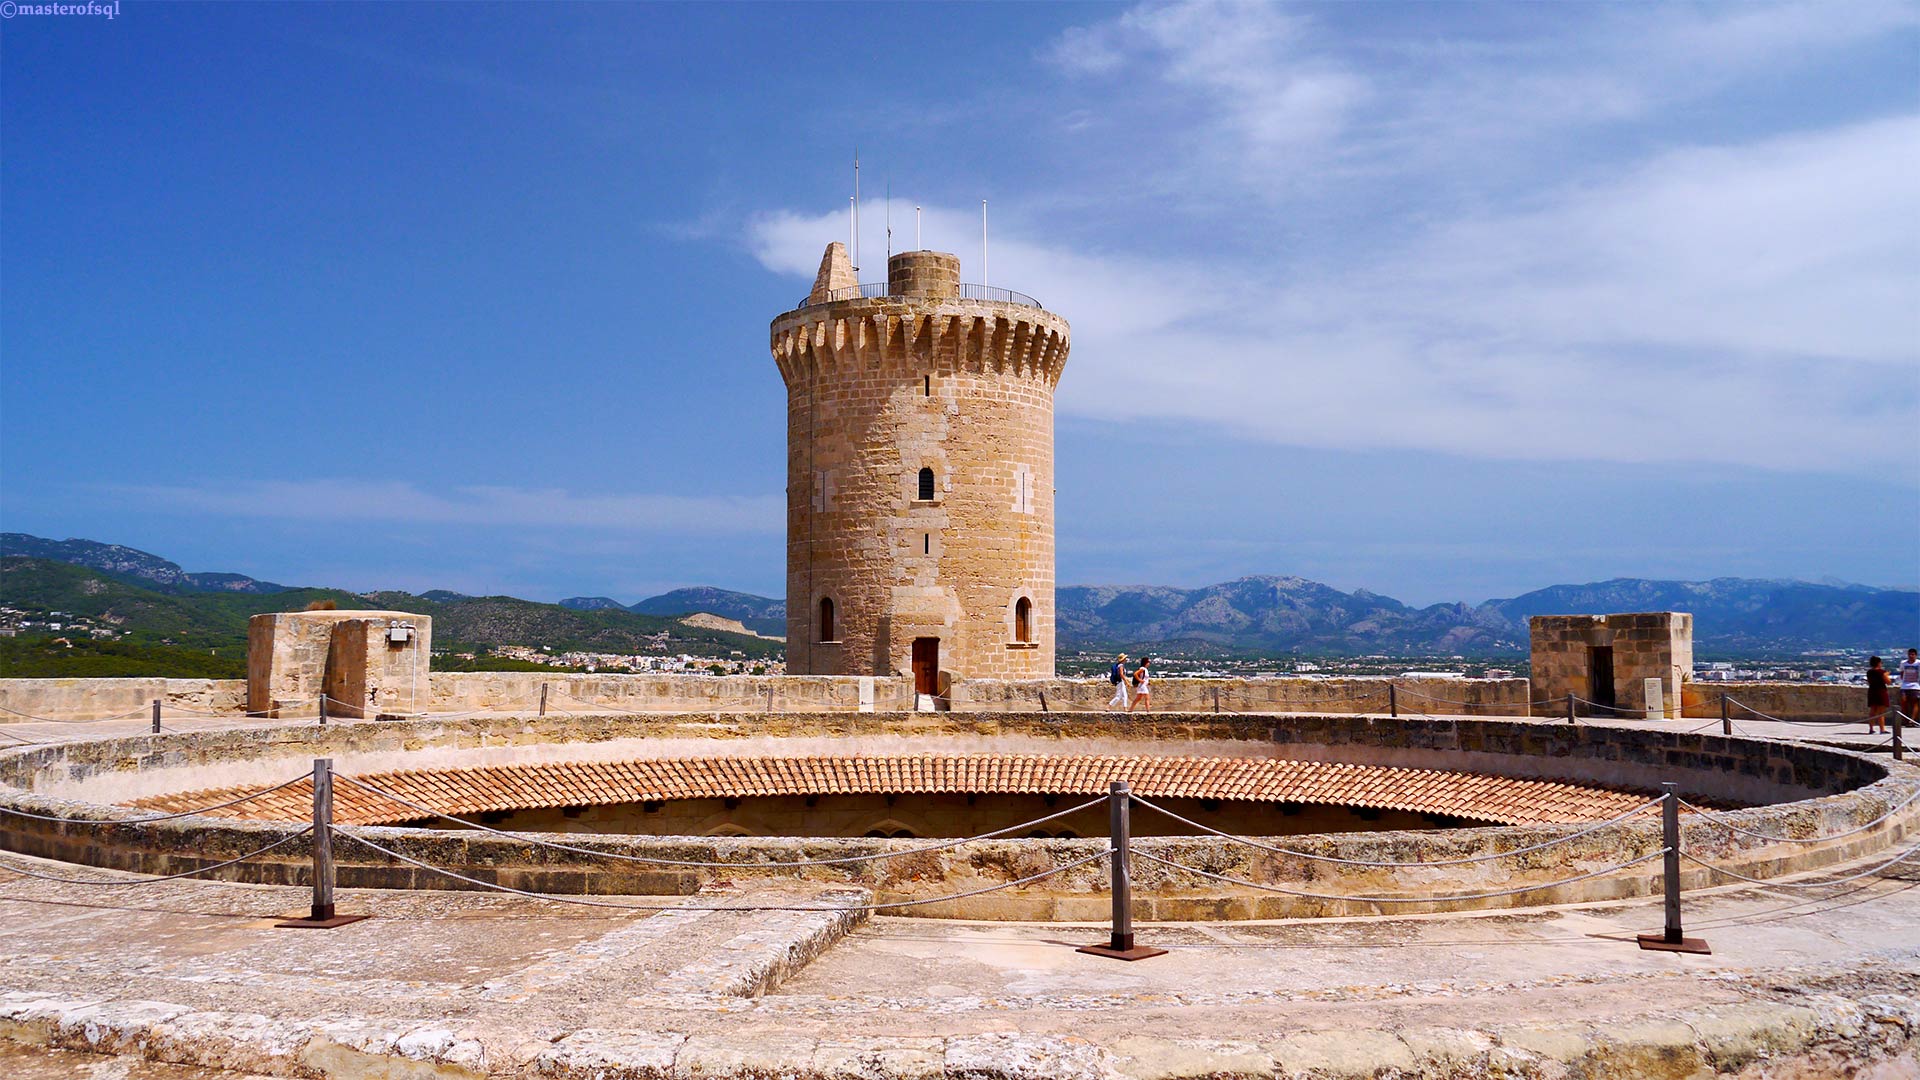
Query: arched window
1023, 620
826, 620
926, 485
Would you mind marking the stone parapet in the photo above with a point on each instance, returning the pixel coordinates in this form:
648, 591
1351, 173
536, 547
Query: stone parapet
519, 691
93, 699
1364, 694
1787, 701
1809, 791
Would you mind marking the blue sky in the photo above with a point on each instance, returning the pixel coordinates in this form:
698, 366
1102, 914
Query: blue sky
1447, 301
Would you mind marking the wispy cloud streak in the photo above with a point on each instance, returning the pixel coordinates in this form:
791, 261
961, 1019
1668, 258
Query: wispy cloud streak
347, 501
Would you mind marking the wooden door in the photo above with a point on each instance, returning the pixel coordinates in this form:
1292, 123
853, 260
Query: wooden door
926, 665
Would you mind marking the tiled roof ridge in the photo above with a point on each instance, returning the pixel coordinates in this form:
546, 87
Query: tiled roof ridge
481, 789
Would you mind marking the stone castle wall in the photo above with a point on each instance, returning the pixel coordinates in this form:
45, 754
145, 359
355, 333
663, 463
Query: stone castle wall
1474, 697
519, 692
93, 699
879, 389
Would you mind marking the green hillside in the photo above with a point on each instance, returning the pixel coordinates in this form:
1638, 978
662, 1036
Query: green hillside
46, 656
204, 634
203, 620
481, 621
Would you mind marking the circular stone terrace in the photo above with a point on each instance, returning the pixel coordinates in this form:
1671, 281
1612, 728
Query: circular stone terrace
1562, 812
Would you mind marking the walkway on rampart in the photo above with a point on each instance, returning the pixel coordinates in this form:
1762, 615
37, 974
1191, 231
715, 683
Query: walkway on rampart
492, 984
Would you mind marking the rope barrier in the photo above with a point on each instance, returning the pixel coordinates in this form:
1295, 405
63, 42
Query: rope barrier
1869, 872
1641, 809
1820, 727
156, 880
1400, 899
4, 809
1408, 692
1618, 711
711, 907
1730, 826
144, 710
624, 857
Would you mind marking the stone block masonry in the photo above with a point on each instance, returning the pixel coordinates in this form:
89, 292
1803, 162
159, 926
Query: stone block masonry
920, 494
519, 692
370, 663
1606, 659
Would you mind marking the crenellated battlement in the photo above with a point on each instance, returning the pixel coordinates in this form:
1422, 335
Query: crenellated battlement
982, 337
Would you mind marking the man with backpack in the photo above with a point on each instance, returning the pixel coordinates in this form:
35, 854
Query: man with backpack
1118, 676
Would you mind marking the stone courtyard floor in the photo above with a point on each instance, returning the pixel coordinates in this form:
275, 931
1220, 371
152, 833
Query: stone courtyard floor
460, 984
189, 981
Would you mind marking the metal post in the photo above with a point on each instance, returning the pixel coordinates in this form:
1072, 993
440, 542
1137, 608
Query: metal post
543, 699
1899, 742
1120, 944
1672, 938
1570, 708
156, 717
323, 710
1393, 700
1726, 717
322, 916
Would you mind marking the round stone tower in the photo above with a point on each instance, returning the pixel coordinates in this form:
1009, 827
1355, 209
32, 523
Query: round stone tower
919, 475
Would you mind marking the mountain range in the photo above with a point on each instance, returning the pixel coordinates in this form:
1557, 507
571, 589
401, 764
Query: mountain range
1259, 614
760, 614
155, 603
1292, 614
131, 564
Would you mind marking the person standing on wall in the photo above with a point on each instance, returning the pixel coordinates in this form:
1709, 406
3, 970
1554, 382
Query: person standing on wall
1142, 686
1118, 676
1877, 697
1910, 686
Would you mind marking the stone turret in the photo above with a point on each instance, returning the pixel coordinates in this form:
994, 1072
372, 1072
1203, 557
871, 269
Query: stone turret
920, 475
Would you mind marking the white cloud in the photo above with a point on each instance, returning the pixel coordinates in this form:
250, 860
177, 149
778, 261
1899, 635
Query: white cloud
1273, 101
347, 501
1268, 95
1804, 245
1750, 305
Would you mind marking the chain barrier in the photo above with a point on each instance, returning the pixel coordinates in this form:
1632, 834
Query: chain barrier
1731, 827
891, 905
1818, 727
1528, 705
1403, 899
1245, 842
624, 857
289, 838
141, 711
4, 809
1774, 884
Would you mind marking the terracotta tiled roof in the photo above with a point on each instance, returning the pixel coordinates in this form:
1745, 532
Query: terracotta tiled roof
466, 792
